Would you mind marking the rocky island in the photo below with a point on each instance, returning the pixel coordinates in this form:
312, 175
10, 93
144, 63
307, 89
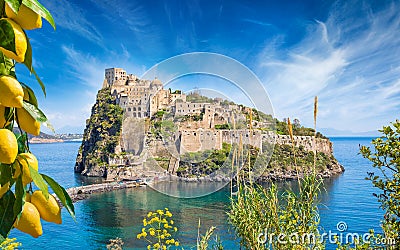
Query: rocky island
139, 129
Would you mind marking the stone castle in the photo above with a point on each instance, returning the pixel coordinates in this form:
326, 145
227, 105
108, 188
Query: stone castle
142, 99
195, 123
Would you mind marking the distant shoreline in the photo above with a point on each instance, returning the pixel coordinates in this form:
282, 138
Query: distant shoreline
36, 140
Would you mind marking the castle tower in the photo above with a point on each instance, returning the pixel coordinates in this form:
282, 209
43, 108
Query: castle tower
115, 74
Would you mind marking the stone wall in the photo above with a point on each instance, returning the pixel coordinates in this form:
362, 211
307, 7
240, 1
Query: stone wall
199, 140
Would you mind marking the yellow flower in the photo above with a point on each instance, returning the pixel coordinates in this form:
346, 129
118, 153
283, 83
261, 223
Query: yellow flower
149, 247
172, 241
166, 209
152, 233
164, 247
168, 214
156, 246
166, 225
143, 230
162, 236
175, 229
172, 222
139, 236
177, 243
149, 214
144, 222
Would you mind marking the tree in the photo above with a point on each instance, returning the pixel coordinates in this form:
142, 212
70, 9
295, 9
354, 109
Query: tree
386, 158
19, 174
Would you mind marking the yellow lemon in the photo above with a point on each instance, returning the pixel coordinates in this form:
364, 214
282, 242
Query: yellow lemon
11, 92
21, 43
27, 122
4, 189
29, 222
33, 162
27, 18
49, 209
3, 121
8, 146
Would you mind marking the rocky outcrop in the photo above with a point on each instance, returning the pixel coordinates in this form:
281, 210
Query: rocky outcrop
101, 136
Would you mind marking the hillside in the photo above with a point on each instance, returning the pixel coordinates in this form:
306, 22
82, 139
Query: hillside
119, 146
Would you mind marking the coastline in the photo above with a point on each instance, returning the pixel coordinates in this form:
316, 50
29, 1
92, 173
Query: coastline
36, 140
83, 192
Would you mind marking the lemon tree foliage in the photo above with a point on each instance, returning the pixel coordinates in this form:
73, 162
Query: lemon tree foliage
24, 192
158, 229
386, 157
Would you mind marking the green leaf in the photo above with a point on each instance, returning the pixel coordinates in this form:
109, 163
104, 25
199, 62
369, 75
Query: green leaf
7, 37
38, 115
35, 112
5, 174
14, 4
6, 65
31, 94
28, 54
49, 126
39, 182
39, 9
7, 216
19, 197
21, 140
39, 81
62, 195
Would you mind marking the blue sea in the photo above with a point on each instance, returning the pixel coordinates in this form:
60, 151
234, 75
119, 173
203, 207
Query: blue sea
348, 199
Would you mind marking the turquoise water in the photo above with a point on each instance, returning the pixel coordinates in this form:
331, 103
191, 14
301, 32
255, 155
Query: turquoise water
119, 214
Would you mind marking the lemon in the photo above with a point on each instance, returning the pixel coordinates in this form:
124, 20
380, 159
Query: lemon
21, 43
49, 209
33, 162
27, 18
27, 122
8, 146
29, 222
11, 92
4, 189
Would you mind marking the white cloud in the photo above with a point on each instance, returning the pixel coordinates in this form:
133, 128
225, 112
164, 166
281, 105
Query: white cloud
70, 16
350, 61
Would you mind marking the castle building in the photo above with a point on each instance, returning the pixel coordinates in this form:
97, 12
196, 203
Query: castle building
139, 98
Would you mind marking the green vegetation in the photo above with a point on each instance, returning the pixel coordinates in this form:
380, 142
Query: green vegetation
163, 128
158, 230
194, 164
257, 210
386, 158
104, 128
197, 98
223, 126
298, 130
283, 157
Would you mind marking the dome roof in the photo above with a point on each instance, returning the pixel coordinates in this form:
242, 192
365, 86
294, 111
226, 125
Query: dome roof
156, 82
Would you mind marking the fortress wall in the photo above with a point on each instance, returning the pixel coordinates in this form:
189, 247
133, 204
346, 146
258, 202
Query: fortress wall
198, 140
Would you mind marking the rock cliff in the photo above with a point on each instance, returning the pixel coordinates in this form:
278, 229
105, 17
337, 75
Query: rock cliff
116, 147
101, 135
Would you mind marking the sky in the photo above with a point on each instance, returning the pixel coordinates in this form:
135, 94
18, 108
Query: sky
344, 52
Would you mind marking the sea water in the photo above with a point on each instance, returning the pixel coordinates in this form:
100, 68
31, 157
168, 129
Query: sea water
347, 199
